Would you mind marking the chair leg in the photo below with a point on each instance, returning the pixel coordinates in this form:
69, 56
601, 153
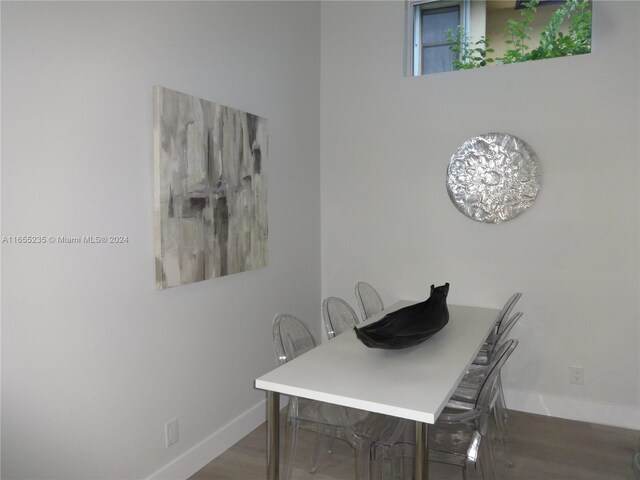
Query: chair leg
501, 429
501, 400
476, 465
316, 453
402, 460
291, 435
502, 411
323, 444
383, 463
488, 449
482, 463
377, 466
363, 461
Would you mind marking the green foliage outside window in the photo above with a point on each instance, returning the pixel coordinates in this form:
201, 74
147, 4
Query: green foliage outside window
468, 55
553, 42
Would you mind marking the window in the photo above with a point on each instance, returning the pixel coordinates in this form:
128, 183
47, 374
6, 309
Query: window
431, 21
484, 33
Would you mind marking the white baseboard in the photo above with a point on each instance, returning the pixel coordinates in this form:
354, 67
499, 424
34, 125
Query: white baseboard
214, 445
573, 409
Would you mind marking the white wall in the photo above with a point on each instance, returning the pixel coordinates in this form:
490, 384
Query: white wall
386, 217
94, 359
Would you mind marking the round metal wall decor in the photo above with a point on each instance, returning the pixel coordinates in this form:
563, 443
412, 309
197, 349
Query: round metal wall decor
493, 178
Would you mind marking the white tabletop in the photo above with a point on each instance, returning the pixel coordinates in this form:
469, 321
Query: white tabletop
413, 383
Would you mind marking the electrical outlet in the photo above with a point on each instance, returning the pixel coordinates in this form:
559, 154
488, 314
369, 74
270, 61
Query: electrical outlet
576, 375
171, 432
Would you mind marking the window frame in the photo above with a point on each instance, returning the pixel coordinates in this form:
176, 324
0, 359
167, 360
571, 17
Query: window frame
414, 26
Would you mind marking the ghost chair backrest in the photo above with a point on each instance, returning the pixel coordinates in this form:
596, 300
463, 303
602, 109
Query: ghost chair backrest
338, 316
498, 340
369, 301
506, 311
292, 337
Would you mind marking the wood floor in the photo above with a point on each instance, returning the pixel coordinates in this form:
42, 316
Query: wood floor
543, 448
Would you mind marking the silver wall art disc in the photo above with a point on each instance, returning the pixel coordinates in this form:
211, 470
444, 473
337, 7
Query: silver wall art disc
494, 177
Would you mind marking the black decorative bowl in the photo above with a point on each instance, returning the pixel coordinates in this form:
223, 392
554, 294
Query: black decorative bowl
408, 326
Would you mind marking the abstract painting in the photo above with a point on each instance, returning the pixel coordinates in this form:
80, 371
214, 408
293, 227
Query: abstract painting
210, 189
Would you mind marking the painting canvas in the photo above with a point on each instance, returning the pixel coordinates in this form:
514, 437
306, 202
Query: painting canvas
210, 189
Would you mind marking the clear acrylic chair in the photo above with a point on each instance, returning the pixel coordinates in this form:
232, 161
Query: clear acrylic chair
369, 301
482, 408
469, 387
338, 316
490, 344
359, 428
494, 343
459, 437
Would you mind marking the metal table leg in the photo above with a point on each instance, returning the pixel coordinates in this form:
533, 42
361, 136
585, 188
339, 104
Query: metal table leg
273, 436
421, 466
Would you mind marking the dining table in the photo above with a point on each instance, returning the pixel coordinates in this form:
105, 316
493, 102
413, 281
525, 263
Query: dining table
414, 383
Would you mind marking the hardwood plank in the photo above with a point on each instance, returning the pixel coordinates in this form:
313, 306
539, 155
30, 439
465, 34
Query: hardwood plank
543, 448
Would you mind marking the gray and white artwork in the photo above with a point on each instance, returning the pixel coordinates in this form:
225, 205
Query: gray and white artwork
210, 189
